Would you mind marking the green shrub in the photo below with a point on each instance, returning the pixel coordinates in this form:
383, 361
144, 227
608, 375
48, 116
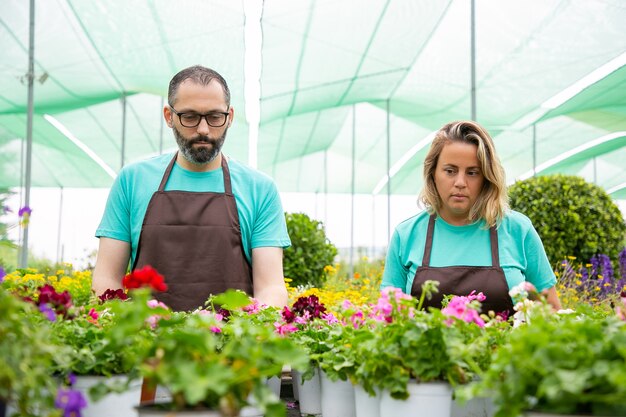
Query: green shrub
572, 216
309, 253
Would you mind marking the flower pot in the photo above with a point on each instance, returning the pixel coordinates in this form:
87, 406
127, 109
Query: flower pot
364, 404
475, 407
432, 399
123, 403
310, 394
251, 411
158, 410
337, 397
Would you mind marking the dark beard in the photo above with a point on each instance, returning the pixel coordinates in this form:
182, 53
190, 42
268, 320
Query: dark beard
200, 155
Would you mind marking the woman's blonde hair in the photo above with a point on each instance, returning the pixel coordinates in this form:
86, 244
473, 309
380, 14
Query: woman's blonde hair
492, 201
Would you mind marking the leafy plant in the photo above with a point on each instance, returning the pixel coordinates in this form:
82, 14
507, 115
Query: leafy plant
211, 359
27, 281
385, 344
595, 283
309, 253
572, 216
26, 357
562, 364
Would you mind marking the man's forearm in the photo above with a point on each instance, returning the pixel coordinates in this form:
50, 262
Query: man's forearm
100, 284
275, 295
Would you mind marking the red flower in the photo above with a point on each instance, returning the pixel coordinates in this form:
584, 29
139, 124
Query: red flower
288, 315
145, 277
59, 302
110, 294
311, 305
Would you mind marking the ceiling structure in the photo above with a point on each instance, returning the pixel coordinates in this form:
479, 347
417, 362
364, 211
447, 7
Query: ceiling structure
340, 80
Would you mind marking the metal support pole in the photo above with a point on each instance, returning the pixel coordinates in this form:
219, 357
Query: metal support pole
325, 187
595, 171
473, 57
59, 257
162, 123
373, 253
534, 150
352, 188
23, 263
388, 173
123, 147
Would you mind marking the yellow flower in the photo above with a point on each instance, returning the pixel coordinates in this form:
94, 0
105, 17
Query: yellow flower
329, 269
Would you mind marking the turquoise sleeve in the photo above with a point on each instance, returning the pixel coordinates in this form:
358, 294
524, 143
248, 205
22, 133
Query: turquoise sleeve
115, 222
395, 274
270, 228
538, 272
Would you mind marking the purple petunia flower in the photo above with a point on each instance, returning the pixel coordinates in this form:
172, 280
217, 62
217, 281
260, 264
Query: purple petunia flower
622, 263
2, 274
24, 210
70, 401
595, 266
48, 312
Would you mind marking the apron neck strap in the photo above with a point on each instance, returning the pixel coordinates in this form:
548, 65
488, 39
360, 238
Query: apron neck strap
493, 237
429, 240
228, 189
495, 257
168, 171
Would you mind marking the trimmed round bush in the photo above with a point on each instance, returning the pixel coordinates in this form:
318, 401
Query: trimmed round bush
573, 217
309, 253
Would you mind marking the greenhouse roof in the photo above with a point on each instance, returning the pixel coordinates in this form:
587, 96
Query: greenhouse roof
332, 74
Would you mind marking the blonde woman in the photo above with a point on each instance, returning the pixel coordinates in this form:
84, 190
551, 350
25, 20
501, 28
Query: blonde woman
467, 239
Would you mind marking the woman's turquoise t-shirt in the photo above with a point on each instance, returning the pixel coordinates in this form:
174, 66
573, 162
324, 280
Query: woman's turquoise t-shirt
522, 256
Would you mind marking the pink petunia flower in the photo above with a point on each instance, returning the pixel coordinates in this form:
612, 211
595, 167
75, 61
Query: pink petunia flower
286, 328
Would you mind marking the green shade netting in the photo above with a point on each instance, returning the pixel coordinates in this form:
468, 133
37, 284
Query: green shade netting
380, 74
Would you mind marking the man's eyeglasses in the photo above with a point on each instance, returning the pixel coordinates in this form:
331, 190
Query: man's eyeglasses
192, 119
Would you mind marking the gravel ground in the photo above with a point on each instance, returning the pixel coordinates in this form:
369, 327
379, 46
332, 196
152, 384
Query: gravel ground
286, 394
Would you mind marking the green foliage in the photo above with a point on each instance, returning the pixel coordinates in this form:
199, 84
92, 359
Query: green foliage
205, 362
571, 364
26, 357
91, 350
309, 253
572, 216
5, 193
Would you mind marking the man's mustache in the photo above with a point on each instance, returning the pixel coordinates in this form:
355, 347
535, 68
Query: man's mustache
202, 139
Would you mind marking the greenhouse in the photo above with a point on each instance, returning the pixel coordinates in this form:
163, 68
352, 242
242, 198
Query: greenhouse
337, 105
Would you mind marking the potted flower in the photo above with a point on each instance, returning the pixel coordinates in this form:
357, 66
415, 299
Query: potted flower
211, 364
560, 364
418, 355
308, 324
94, 363
26, 357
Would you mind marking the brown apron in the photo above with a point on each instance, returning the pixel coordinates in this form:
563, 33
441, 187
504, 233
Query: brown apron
194, 240
462, 280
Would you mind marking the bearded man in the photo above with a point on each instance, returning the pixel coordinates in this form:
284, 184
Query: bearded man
206, 222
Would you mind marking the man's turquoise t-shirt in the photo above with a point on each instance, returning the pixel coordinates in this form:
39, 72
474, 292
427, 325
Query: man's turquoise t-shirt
261, 215
522, 256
